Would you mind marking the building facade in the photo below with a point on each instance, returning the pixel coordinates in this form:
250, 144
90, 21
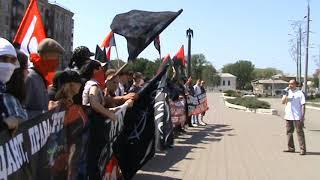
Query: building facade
269, 87
227, 82
58, 22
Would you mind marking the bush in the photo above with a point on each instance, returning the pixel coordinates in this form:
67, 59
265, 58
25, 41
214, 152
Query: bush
250, 102
231, 93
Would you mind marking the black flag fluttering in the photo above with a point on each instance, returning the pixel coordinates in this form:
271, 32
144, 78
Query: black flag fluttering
135, 144
140, 28
162, 117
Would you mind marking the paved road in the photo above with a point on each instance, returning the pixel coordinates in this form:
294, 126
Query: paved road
236, 145
312, 116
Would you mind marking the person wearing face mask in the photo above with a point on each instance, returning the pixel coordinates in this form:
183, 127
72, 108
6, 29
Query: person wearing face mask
294, 99
40, 76
11, 111
17, 84
93, 98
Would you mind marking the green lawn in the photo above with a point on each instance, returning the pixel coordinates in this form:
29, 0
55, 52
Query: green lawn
313, 104
317, 100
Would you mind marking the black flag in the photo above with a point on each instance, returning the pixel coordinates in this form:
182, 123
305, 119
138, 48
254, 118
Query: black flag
140, 28
156, 43
101, 55
135, 144
162, 117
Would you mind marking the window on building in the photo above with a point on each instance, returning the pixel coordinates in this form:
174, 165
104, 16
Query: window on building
229, 82
223, 83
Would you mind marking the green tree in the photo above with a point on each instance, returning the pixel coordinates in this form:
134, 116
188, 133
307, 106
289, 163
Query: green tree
204, 70
243, 70
316, 77
198, 61
265, 73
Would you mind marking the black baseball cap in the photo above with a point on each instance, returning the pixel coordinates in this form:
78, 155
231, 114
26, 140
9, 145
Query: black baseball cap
67, 77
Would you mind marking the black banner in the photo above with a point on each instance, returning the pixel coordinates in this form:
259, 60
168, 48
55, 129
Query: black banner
135, 144
46, 147
162, 117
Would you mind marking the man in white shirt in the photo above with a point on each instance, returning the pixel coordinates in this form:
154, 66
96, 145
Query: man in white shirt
294, 116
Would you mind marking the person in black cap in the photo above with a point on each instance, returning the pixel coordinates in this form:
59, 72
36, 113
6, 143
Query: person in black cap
80, 56
60, 79
68, 85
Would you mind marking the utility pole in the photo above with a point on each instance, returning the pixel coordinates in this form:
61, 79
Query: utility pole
300, 51
189, 33
305, 86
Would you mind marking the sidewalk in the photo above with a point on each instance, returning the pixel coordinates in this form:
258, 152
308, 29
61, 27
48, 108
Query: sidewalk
236, 146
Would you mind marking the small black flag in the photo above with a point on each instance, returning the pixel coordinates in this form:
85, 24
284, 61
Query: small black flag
156, 44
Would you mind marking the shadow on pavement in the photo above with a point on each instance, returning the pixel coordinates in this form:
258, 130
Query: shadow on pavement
142, 176
204, 135
313, 153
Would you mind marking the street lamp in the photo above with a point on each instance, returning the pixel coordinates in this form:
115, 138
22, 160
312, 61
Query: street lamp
189, 34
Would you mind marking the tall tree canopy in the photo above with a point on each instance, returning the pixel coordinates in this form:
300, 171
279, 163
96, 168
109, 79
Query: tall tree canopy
243, 69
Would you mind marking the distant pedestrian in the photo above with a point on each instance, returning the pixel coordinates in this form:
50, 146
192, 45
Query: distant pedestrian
203, 91
294, 99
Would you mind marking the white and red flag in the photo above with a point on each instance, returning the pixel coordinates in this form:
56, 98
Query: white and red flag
107, 43
31, 30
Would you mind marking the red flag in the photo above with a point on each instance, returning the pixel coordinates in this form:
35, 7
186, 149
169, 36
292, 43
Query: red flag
108, 40
180, 56
107, 43
166, 60
31, 30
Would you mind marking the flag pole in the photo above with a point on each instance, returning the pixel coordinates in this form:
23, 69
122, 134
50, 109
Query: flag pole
121, 68
117, 57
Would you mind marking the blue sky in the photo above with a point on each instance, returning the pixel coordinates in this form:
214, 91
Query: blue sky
224, 31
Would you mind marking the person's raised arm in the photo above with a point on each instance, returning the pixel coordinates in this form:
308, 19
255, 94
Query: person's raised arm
96, 106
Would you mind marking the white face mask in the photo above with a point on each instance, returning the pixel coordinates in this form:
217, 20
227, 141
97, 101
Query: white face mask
6, 71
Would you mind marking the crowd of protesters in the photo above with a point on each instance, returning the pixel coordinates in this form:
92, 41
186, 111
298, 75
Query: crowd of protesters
27, 92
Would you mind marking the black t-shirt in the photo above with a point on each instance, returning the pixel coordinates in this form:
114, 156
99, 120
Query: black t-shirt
202, 90
52, 91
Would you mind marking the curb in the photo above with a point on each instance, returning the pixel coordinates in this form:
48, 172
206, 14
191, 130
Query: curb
314, 108
259, 110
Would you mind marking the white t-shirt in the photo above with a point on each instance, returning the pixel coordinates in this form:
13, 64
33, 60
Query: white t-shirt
120, 90
293, 110
197, 90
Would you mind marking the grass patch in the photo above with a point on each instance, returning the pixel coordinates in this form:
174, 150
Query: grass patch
249, 102
313, 104
317, 100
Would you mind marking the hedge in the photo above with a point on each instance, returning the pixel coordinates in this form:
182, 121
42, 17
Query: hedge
249, 102
231, 93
